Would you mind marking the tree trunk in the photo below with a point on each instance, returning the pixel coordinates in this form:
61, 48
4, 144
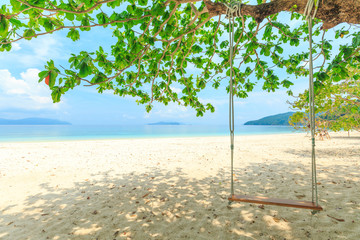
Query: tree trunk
331, 12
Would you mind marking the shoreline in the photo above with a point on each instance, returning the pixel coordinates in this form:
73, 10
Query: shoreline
145, 137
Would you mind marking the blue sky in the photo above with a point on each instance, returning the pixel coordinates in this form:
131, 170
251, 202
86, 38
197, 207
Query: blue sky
22, 96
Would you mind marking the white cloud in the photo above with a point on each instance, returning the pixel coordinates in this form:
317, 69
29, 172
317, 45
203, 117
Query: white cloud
36, 52
15, 47
44, 49
24, 93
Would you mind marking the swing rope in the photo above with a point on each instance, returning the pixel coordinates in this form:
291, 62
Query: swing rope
314, 190
234, 10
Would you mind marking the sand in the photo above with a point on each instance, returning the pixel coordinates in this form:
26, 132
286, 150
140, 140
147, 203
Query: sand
177, 188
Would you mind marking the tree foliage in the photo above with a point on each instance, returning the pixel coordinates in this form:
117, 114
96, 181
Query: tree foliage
163, 43
337, 104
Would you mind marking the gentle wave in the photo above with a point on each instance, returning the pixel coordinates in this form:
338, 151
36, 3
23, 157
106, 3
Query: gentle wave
73, 132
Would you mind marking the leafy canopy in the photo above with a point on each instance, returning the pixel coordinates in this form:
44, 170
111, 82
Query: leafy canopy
337, 104
161, 43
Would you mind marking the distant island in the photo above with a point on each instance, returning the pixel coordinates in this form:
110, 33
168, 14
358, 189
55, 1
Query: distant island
32, 121
165, 123
278, 119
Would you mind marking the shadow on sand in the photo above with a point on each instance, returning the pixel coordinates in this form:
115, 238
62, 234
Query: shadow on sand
161, 204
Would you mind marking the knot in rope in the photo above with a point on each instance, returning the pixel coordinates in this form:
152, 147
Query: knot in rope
233, 9
309, 6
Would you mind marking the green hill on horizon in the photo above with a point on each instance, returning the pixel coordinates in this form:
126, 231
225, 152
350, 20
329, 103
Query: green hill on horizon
278, 119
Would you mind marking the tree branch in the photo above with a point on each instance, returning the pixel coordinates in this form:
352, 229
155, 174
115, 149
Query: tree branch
331, 12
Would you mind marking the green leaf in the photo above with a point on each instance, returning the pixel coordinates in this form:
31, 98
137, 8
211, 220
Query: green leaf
355, 109
73, 34
85, 22
196, 49
157, 9
48, 25
279, 49
15, 4
148, 108
53, 75
347, 52
56, 94
322, 76
43, 74
4, 26
85, 70
131, 9
356, 41
5, 46
98, 78
142, 2
15, 22
287, 83
70, 16
29, 34
102, 18
267, 32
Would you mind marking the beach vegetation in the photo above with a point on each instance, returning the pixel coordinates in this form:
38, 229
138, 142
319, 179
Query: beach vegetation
337, 104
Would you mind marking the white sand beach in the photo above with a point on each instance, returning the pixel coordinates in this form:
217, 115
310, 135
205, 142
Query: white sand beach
177, 188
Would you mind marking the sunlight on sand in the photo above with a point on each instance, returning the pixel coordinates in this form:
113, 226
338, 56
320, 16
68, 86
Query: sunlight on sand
69, 190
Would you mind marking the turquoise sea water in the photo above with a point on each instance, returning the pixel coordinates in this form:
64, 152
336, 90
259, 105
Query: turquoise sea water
73, 132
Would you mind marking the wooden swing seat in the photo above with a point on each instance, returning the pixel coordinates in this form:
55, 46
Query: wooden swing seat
275, 201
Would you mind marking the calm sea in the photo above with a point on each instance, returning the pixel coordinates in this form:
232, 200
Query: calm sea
73, 132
